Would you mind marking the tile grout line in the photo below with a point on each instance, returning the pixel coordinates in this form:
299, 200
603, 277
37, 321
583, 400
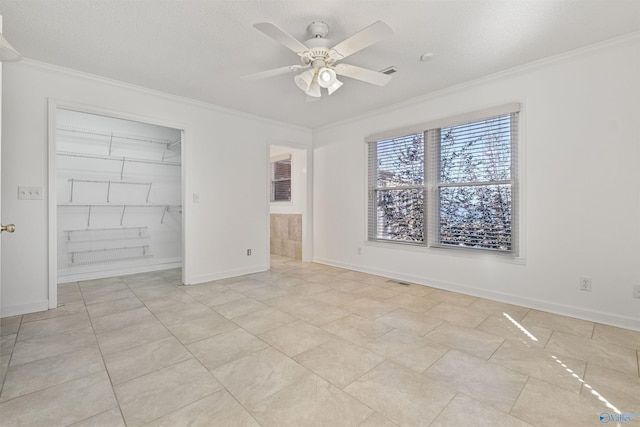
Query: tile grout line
15, 341
95, 336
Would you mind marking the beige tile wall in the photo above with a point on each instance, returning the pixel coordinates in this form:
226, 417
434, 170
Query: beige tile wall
286, 235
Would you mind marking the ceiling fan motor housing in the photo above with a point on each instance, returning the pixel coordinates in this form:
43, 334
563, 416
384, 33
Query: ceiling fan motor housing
318, 29
319, 53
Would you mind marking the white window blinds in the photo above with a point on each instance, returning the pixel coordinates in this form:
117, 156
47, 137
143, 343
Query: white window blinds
457, 182
281, 180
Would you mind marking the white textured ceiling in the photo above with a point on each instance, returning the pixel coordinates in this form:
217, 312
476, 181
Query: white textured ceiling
199, 49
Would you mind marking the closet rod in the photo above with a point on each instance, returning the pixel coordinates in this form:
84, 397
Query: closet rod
119, 159
109, 135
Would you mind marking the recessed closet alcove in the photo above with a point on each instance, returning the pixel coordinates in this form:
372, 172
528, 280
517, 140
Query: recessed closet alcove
119, 196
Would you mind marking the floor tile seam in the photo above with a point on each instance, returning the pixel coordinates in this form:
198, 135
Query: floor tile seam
449, 403
504, 340
587, 361
251, 353
528, 375
261, 332
104, 365
4, 377
600, 365
515, 401
137, 376
56, 385
54, 317
51, 334
384, 359
223, 389
246, 408
118, 312
604, 342
95, 415
423, 373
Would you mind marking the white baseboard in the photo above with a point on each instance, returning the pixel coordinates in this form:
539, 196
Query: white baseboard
168, 264
32, 307
538, 304
226, 274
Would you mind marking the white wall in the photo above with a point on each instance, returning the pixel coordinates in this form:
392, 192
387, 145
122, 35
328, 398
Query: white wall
298, 181
580, 147
225, 154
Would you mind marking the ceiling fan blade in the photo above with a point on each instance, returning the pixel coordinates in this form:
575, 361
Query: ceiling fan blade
363, 74
279, 35
274, 72
365, 38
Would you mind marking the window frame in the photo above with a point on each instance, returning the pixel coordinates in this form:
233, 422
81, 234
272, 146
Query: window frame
432, 183
274, 161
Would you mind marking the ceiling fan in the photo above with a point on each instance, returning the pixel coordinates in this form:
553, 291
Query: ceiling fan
320, 60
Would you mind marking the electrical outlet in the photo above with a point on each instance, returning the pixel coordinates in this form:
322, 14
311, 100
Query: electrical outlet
29, 193
248, 252
636, 291
359, 251
585, 284
196, 197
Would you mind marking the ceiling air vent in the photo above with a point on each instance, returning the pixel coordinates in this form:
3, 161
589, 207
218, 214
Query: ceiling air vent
389, 70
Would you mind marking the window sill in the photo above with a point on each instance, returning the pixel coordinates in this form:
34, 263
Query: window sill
466, 253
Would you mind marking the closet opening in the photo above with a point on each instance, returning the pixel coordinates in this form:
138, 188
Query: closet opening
118, 197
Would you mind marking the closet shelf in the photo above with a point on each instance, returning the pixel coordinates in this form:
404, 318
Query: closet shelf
96, 256
168, 144
90, 235
112, 135
117, 158
109, 182
165, 209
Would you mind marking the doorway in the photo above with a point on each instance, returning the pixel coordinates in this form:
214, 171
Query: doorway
289, 234
116, 197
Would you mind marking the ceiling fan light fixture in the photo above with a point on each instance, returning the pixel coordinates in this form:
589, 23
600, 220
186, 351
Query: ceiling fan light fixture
304, 80
314, 90
326, 77
335, 86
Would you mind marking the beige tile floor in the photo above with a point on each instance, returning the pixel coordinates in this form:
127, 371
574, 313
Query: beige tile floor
307, 345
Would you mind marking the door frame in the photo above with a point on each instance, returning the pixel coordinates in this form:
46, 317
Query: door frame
52, 210
307, 214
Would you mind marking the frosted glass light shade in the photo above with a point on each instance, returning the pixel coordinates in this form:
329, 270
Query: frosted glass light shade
304, 80
314, 90
335, 86
326, 77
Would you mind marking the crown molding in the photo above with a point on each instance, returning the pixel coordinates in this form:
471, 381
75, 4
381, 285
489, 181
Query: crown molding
156, 93
511, 72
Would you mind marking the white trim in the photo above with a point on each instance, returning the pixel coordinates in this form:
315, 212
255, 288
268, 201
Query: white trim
33, 307
76, 277
53, 106
517, 254
169, 97
280, 158
555, 59
307, 212
534, 303
229, 273
52, 208
459, 119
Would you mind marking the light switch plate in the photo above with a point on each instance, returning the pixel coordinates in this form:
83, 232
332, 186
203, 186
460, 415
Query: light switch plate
29, 193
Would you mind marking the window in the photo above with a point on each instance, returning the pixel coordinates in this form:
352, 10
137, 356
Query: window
281, 180
455, 181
